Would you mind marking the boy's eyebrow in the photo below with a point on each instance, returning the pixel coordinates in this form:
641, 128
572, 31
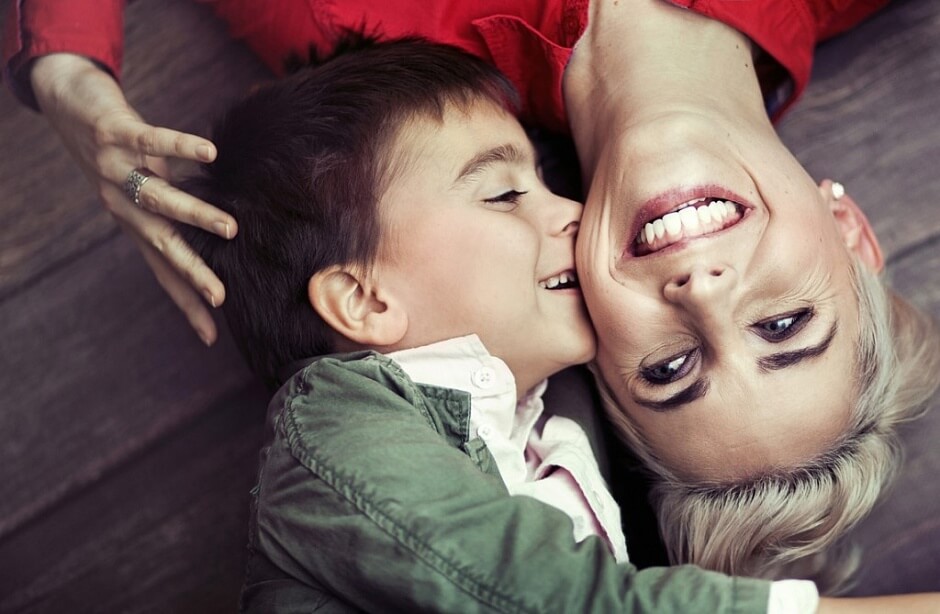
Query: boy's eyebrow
507, 152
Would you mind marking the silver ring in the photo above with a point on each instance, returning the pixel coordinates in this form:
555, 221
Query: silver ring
135, 181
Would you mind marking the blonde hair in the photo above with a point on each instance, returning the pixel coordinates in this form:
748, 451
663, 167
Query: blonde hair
791, 523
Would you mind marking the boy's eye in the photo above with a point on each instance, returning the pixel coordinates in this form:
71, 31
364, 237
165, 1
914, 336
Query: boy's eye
782, 327
507, 200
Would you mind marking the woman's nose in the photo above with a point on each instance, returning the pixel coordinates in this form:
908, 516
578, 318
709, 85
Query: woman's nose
702, 289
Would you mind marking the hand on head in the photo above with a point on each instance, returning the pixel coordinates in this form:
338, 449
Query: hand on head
109, 140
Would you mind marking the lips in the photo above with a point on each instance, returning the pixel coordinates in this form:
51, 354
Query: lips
682, 216
701, 217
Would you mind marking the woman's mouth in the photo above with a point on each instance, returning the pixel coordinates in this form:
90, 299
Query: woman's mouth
694, 218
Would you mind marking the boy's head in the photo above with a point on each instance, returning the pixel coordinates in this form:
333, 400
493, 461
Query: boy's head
388, 198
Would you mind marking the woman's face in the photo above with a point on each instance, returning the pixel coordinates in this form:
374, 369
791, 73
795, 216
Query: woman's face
726, 332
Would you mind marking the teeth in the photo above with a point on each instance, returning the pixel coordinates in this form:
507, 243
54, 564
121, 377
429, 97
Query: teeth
717, 210
557, 280
659, 227
689, 217
689, 221
704, 215
673, 224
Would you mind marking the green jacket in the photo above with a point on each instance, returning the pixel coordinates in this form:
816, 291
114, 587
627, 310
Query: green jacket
370, 496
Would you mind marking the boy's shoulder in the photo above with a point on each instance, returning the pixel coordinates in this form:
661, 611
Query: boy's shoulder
352, 387
336, 376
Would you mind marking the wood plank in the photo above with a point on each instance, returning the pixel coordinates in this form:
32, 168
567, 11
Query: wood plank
869, 119
164, 533
95, 364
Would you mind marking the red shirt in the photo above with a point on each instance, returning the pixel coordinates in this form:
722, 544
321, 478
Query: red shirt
529, 40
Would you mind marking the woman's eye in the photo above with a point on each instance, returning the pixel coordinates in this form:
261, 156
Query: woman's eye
783, 327
508, 200
669, 370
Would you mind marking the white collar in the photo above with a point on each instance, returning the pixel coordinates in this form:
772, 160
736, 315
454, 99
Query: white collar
460, 363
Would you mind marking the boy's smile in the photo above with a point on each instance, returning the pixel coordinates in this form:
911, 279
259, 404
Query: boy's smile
475, 243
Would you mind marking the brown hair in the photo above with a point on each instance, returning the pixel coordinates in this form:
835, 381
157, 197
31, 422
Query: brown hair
302, 165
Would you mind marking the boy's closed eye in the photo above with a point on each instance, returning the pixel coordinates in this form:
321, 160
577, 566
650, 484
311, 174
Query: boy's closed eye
507, 201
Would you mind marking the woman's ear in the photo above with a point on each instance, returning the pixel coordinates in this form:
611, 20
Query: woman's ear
856, 230
352, 305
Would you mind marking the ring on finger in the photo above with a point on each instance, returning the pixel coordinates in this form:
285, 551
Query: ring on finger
135, 181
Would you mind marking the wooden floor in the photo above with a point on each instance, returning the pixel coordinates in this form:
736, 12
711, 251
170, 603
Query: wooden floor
127, 449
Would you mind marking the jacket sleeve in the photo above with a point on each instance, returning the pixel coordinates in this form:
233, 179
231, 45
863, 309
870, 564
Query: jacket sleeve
33, 28
363, 499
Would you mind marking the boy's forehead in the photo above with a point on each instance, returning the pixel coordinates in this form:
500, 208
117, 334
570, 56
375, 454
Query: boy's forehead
428, 155
462, 137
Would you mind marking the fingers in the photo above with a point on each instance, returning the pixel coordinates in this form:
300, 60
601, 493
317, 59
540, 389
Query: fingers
183, 295
160, 197
123, 142
155, 141
126, 142
163, 238
109, 139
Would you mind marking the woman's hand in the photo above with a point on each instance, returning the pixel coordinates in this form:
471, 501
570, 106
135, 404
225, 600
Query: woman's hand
108, 139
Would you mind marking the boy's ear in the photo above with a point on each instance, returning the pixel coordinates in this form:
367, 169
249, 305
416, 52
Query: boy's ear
356, 308
856, 230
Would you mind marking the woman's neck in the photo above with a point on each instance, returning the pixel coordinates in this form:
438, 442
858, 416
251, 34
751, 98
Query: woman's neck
644, 62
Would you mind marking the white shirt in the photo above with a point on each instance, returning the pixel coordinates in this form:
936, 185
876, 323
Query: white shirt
542, 456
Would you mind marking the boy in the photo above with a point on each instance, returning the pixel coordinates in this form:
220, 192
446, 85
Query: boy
390, 208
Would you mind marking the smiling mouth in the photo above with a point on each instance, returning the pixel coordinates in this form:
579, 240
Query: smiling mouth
694, 218
562, 281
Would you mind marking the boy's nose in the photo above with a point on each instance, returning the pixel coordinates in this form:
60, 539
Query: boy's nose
567, 218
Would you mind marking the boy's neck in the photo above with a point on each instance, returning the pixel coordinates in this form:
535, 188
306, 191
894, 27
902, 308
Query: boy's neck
643, 62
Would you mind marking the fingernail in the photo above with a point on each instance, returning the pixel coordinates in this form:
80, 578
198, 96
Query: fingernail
205, 339
211, 299
222, 229
204, 152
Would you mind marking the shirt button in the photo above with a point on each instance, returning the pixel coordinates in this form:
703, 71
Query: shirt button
484, 432
483, 378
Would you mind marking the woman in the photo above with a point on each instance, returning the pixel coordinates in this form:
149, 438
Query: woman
588, 84
761, 330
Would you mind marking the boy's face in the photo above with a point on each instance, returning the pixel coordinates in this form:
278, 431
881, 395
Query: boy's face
475, 243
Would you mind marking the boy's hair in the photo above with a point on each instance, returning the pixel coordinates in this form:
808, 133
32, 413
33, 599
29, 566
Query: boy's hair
302, 165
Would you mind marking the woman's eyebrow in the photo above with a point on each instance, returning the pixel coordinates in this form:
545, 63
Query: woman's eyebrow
507, 152
697, 390
782, 360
